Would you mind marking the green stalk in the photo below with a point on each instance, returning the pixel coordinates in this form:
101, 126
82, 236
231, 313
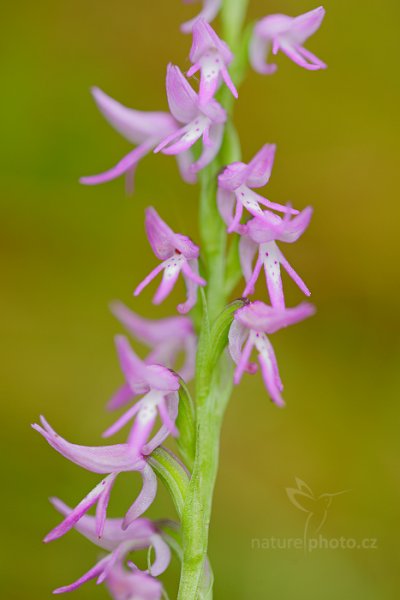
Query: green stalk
213, 377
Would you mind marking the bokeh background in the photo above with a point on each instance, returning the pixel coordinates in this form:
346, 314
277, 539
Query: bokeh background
68, 250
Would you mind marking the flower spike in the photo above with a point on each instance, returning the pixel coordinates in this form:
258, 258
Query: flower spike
235, 188
211, 56
209, 12
199, 120
178, 254
248, 331
145, 130
280, 32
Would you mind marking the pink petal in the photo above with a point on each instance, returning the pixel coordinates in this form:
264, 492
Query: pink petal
142, 427
226, 204
205, 39
166, 419
191, 288
233, 176
216, 133
135, 125
228, 82
151, 331
172, 268
152, 275
125, 585
139, 532
260, 167
123, 420
133, 368
159, 234
305, 25
182, 99
185, 161
124, 166
162, 558
145, 498
92, 574
247, 252
262, 317
267, 360
172, 401
259, 50
98, 459
184, 140
292, 273
121, 397
83, 506
297, 57
102, 505
208, 13
270, 257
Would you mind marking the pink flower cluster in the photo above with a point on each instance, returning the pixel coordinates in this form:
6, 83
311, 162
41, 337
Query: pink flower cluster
258, 239
150, 388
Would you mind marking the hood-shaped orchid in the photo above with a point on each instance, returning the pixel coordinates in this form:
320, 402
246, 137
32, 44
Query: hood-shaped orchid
142, 128
119, 542
110, 460
161, 397
211, 56
167, 338
178, 254
199, 120
268, 227
280, 32
248, 331
261, 234
208, 13
235, 188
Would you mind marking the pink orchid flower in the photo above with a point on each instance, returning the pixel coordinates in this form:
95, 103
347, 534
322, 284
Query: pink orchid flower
261, 234
209, 12
280, 32
142, 128
235, 188
178, 254
160, 386
198, 120
248, 331
119, 541
100, 459
211, 56
167, 338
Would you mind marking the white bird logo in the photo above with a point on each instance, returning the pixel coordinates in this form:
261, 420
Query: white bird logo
316, 507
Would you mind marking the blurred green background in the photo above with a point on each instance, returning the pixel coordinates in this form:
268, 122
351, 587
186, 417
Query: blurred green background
68, 250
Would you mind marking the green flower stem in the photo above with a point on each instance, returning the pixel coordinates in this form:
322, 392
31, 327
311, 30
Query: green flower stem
214, 370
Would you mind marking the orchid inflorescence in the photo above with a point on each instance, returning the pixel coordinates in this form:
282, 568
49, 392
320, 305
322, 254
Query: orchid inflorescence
198, 130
